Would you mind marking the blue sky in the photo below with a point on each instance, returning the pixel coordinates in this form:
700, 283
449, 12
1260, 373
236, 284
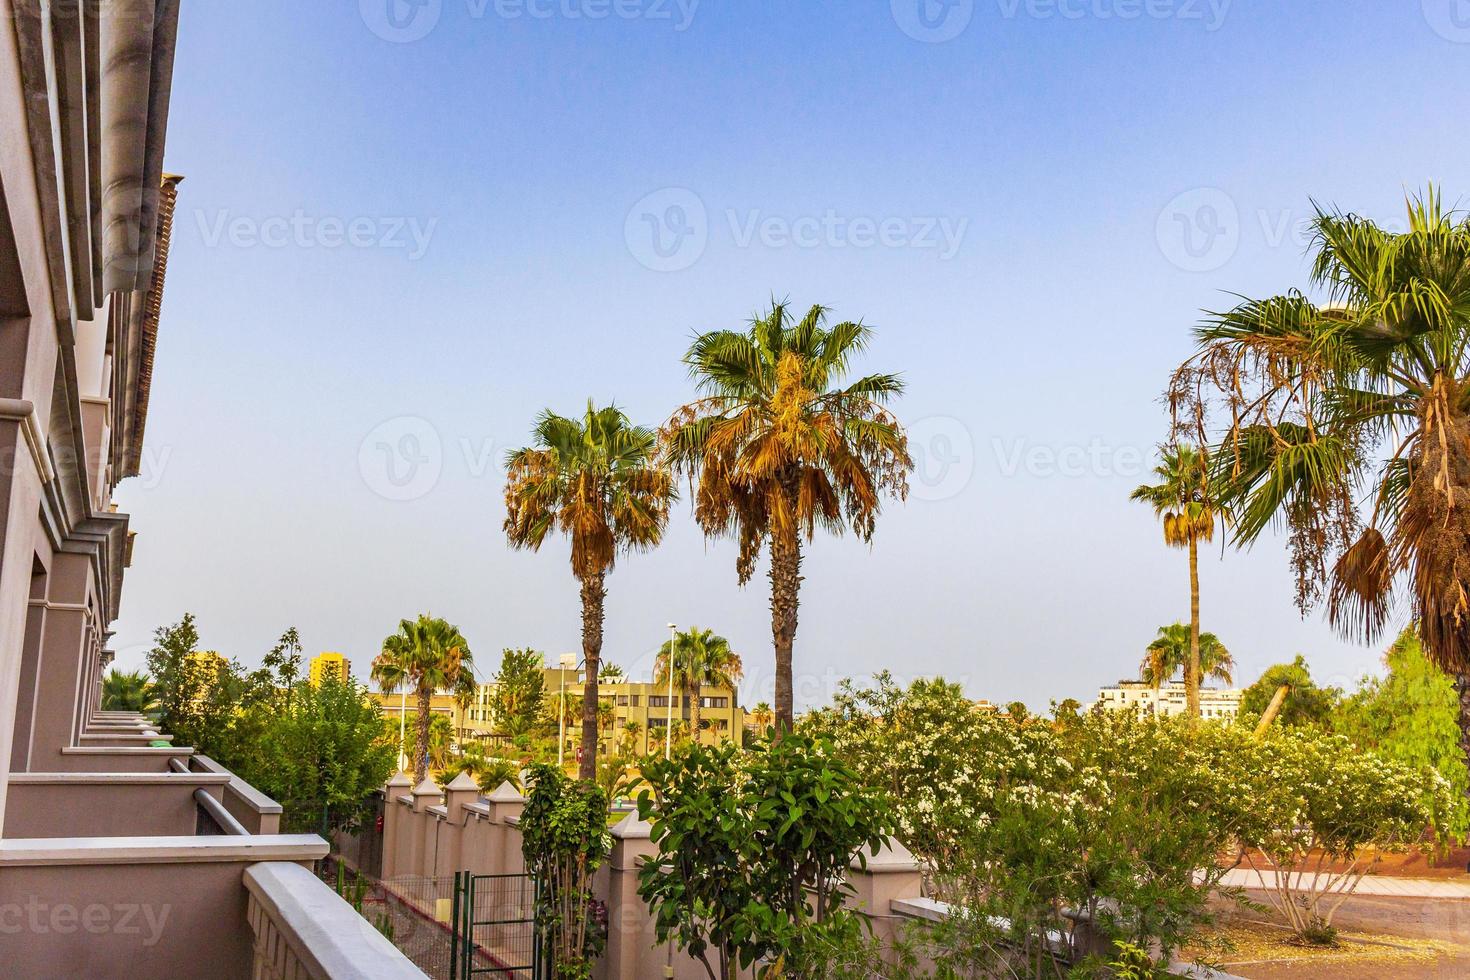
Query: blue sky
405, 230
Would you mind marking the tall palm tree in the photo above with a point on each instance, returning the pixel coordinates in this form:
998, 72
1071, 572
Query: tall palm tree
425, 655
1169, 652
701, 659
779, 447
762, 716
1366, 389
598, 480
1185, 503
128, 691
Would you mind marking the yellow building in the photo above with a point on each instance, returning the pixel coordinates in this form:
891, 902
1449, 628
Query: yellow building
328, 664
640, 704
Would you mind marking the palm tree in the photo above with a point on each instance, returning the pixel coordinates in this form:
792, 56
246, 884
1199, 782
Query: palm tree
762, 716
1368, 389
1185, 503
1170, 651
426, 655
598, 481
780, 447
701, 659
128, 691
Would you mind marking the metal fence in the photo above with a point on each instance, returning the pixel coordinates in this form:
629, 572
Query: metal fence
413, 911
495, 928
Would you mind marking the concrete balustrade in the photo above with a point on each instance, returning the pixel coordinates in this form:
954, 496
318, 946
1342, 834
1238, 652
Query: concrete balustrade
74, 804
302, 928
427, 832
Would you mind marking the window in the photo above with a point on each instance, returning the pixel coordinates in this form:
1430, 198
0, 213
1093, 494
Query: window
635, 700
622, 700
715, 702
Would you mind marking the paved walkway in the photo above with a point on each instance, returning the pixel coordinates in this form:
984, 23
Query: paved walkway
1370, 885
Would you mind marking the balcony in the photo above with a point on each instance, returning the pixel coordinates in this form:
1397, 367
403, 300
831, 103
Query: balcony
142, 859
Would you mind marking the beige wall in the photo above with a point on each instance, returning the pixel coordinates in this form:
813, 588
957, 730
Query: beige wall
426, 833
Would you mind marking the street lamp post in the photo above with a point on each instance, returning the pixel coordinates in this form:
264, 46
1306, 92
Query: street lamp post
567, 662
402, 726
669, 724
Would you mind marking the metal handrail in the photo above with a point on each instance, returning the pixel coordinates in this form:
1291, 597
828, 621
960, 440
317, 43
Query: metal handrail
219, 814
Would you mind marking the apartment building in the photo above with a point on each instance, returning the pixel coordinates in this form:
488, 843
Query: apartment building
121, 855
1170, 699
329, 664
644, 705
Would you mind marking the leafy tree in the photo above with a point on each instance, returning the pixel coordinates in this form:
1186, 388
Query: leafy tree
487, 770
611, 672
324, 755
701, 659
754, 847
1172, 650
564, 839
1185, 502
598, 481
520, 688
426, 655
781, 447
1366, 390
1306, 703
1410, 716
762, 715
200, 694
128, 691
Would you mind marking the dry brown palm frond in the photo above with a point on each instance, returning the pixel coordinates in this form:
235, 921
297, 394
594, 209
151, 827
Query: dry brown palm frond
1360, 598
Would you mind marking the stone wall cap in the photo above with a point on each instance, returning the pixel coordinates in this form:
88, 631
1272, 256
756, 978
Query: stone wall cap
463, 783
400, 778
506, 793
891, 857
428, 788
631, 828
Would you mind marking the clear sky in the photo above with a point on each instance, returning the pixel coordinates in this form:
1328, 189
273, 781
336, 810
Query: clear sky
407, 227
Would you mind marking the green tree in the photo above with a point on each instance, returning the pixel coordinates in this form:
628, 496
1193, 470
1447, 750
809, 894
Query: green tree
1184, 501
426, 655
564, 840
128, 691
1306, 703
1172, 650
780, 447
1410, 716
596, 479
701, 659
440, 746
520, 688
201, 695
753, 851
1368, 389
323, 756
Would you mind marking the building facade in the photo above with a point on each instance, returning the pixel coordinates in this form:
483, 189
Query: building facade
329, 664
100, 816
1170, 699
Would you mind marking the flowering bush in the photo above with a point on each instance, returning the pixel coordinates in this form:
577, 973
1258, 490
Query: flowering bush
1317, 815
1051, 841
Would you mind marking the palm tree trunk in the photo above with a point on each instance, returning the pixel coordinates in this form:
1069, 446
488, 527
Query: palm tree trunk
1462, 689
694, 709
785, 596
594, 592
1191, 669
421, 737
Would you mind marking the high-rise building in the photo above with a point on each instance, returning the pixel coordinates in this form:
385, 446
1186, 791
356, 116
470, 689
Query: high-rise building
328, 664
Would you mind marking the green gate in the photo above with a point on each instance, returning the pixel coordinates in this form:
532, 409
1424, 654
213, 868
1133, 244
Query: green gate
494, 928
